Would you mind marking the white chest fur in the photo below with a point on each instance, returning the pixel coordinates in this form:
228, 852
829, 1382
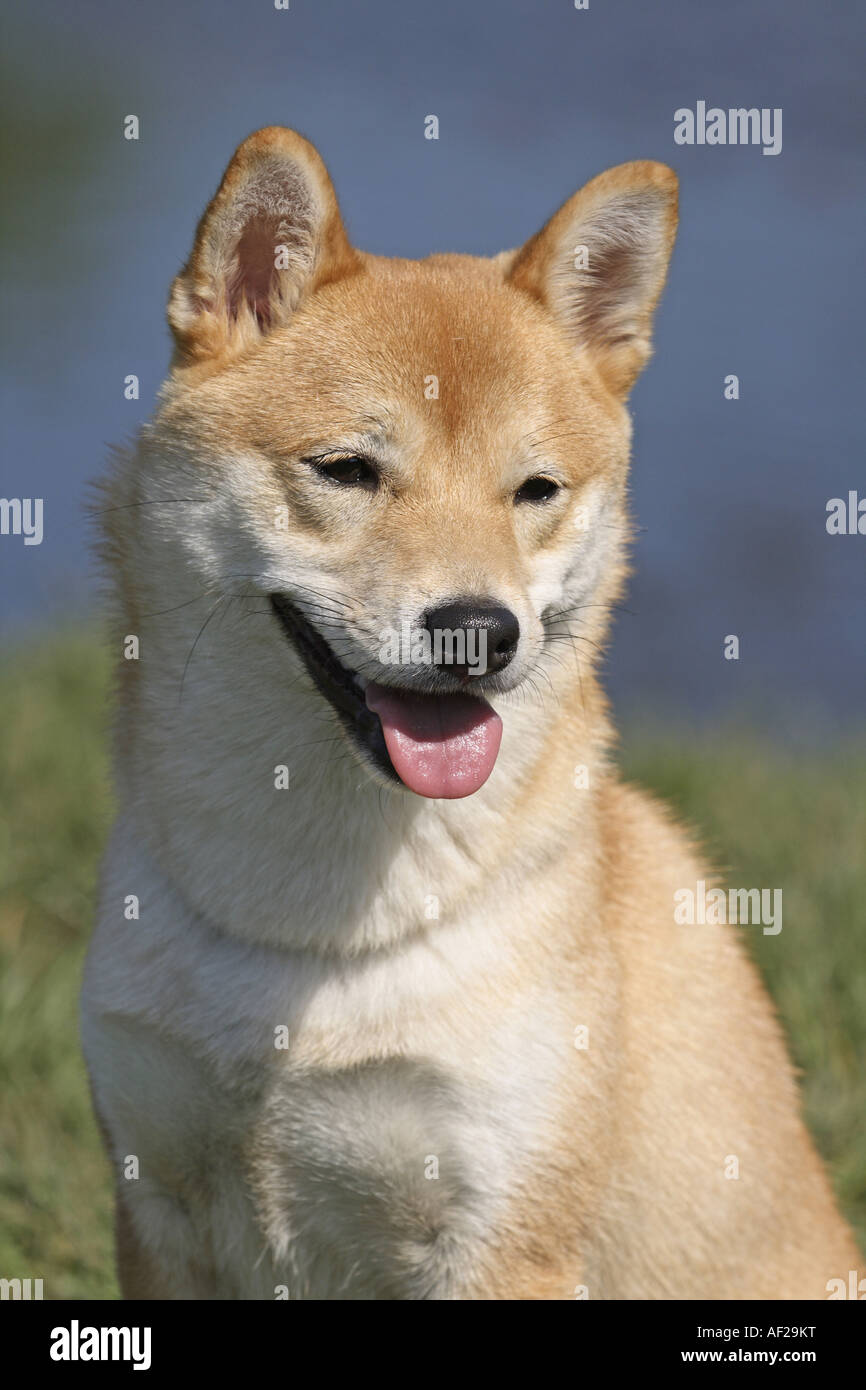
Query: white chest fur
337, 1128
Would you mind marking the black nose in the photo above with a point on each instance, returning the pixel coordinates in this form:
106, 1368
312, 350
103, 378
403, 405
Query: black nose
471, 636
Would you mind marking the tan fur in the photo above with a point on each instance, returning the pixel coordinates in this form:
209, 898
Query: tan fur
561, 1170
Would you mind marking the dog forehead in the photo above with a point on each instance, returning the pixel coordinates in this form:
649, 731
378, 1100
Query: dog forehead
449, 330
443, 352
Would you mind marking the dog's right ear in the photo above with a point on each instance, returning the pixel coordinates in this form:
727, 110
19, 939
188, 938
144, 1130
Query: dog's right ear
270, 236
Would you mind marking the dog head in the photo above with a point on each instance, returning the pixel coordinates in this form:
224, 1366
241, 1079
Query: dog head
415, 470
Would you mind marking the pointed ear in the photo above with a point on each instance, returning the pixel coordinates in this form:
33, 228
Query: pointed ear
600, 263
269, 237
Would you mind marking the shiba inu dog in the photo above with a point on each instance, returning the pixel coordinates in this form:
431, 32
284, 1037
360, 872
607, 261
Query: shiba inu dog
387, 998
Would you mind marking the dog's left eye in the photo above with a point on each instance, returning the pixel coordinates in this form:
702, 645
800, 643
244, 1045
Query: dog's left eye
352, 471
536, 490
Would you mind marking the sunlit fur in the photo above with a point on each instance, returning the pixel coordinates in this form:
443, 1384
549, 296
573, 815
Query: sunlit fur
431, 1130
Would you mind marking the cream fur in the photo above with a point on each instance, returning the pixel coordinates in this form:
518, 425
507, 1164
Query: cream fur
422, 1036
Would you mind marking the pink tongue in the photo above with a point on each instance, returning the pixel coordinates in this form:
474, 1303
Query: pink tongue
441, 746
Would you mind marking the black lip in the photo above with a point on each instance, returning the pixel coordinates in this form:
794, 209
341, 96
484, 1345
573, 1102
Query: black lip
337, 684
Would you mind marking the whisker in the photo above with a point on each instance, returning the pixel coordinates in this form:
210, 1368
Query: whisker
195, 644
150, 502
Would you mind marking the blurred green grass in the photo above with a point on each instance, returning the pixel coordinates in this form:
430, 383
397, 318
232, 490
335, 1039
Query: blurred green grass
767, 818
55, 1218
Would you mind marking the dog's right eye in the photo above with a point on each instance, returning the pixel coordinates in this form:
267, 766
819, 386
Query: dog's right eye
351, 471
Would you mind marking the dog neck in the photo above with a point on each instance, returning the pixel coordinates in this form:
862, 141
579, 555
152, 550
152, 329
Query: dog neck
257, 810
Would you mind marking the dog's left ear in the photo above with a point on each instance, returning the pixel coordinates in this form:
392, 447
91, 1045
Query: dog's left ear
270, 236
600, 263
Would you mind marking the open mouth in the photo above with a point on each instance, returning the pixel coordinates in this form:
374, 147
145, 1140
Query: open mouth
441, 746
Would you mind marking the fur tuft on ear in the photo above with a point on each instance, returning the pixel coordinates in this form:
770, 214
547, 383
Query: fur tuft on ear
270, 236
599, 265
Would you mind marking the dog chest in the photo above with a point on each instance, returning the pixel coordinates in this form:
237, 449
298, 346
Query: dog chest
375, 1181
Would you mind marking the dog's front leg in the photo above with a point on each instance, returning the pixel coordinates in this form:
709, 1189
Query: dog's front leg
144, 1274
147, 1269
